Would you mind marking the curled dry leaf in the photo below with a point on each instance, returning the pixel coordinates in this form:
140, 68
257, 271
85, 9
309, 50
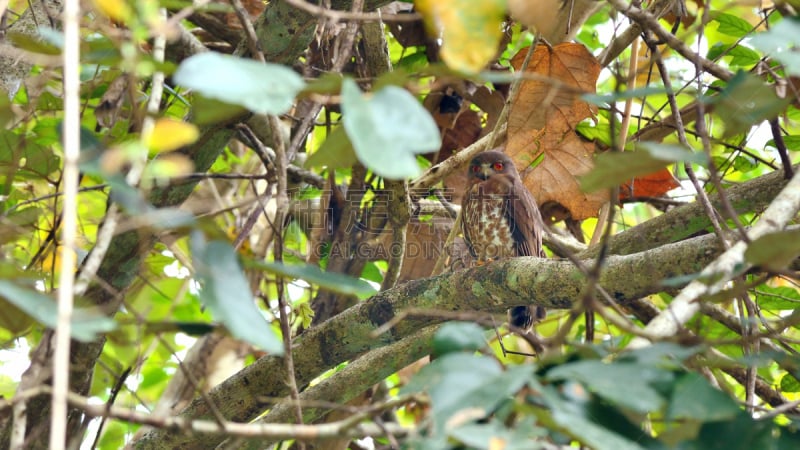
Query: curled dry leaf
655, 184
541, 126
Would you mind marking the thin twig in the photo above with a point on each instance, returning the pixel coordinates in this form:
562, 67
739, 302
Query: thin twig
283, 308
649, 22
249, 31
701, 193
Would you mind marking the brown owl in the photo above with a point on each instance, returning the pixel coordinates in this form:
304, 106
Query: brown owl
500, 219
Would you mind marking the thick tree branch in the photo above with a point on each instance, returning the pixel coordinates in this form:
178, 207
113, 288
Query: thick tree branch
350, 382
732, 263
491, 288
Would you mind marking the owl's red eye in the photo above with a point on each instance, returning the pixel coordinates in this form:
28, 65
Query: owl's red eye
498, 166
475, 169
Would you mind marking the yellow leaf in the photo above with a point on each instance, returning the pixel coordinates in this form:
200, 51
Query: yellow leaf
117, 10
496, 443
52, 260
170, 134
170, 166
470, 30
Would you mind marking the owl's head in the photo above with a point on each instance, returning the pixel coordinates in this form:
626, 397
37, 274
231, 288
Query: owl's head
490, 163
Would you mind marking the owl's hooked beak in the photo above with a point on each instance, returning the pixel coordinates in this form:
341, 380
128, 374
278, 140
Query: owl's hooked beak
485, 172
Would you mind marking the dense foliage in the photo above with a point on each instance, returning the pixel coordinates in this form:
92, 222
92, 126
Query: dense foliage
267, 211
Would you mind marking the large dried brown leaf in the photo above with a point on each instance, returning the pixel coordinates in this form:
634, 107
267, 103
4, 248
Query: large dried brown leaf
542, 124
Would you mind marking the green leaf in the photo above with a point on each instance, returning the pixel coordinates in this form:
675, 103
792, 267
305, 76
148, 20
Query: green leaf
732, 25
261, 88
17, 222
615, 168
226, 293
693, 398
458, 336
792, 143
790, 384
33, 43
774, 250
744, 433
464, 388
664, 355
743, 56
208, 110
387, 129
781, 43
520, 436
86, 324
747, 100
25, 159
777, 298
623, 384
334, 282
6, 113
336, 152
574, 419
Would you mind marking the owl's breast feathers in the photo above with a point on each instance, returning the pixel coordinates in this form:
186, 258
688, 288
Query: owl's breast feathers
486, 226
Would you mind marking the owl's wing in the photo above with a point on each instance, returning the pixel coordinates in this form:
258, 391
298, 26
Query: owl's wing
467, 215
524, 219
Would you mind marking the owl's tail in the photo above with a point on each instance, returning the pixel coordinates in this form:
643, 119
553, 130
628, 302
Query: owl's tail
525, 316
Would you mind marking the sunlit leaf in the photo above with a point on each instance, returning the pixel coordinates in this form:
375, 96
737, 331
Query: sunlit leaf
172, 165
388, 128
86, 324
170, 134
791, 142
769, 298
335, 152
470, 30
117, 10
732, 25
262, 88
790, 383
226, 293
